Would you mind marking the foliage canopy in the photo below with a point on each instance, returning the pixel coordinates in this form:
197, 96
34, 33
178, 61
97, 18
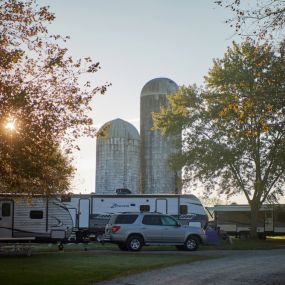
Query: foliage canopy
234, 129
41, 90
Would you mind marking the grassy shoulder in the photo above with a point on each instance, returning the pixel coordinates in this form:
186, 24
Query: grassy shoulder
80, 268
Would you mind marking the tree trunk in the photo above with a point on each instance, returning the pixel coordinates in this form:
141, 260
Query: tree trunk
253, 225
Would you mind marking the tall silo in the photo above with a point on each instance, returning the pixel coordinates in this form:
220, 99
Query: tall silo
156, 174
117, 157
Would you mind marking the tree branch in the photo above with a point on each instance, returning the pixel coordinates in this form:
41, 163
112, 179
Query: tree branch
270, 187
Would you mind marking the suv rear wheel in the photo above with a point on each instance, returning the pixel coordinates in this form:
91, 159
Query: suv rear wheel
134, 243
191, 243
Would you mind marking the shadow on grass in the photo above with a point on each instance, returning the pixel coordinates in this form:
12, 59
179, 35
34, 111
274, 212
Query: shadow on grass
80, 268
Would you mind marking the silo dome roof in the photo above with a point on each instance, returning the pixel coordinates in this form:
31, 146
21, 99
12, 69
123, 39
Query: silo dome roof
119, 128
159, 86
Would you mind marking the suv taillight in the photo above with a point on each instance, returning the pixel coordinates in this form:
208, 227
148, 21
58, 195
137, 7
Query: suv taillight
115, 229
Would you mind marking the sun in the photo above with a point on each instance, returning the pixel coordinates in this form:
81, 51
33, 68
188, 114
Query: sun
11, 124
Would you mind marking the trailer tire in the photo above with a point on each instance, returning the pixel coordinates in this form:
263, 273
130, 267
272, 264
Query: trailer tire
99, 237
79, 236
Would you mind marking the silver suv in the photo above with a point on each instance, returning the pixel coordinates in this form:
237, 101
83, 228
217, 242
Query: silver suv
130, 231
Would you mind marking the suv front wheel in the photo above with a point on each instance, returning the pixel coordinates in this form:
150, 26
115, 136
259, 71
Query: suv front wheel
191, 243
135, 243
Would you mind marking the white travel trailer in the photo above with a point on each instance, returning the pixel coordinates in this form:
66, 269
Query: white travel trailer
235, 219
90, 213
36, 218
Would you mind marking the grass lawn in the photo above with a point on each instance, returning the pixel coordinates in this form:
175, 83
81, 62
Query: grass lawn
75, 266
60, 268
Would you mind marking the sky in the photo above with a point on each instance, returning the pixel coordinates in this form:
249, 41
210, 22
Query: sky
136, 41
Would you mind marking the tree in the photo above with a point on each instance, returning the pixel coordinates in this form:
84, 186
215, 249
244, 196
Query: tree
263, 19
40, 89
211, 201
234, 129
31, 164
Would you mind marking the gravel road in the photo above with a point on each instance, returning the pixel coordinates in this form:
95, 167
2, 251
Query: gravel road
235, 267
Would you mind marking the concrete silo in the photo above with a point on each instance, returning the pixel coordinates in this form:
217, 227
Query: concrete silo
156, 175
117, 158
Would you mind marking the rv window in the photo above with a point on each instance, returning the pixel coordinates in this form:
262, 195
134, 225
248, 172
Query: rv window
36, 215
183, 209
144, 208
6, 210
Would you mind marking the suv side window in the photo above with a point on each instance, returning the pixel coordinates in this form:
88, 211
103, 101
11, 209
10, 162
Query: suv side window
151, 220
168, 221
126, 219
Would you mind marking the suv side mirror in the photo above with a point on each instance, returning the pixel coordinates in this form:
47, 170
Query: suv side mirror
178, 225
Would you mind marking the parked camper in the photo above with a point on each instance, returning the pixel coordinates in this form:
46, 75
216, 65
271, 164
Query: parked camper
235, 219
37, 218
90, 213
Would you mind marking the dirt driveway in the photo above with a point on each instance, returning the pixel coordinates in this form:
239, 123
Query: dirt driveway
235, 267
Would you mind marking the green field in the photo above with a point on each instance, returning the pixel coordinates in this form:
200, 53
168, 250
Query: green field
74, 265
60, 268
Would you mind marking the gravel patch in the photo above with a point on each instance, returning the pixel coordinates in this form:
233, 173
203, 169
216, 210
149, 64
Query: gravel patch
236, 267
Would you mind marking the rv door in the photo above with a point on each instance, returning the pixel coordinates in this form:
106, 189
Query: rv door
84, 213
161, 206
6, 219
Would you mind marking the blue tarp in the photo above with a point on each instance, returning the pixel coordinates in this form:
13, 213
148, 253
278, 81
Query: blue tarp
213, 236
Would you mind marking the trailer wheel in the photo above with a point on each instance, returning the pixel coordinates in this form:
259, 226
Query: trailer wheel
79, 236
99, 237
82, 236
